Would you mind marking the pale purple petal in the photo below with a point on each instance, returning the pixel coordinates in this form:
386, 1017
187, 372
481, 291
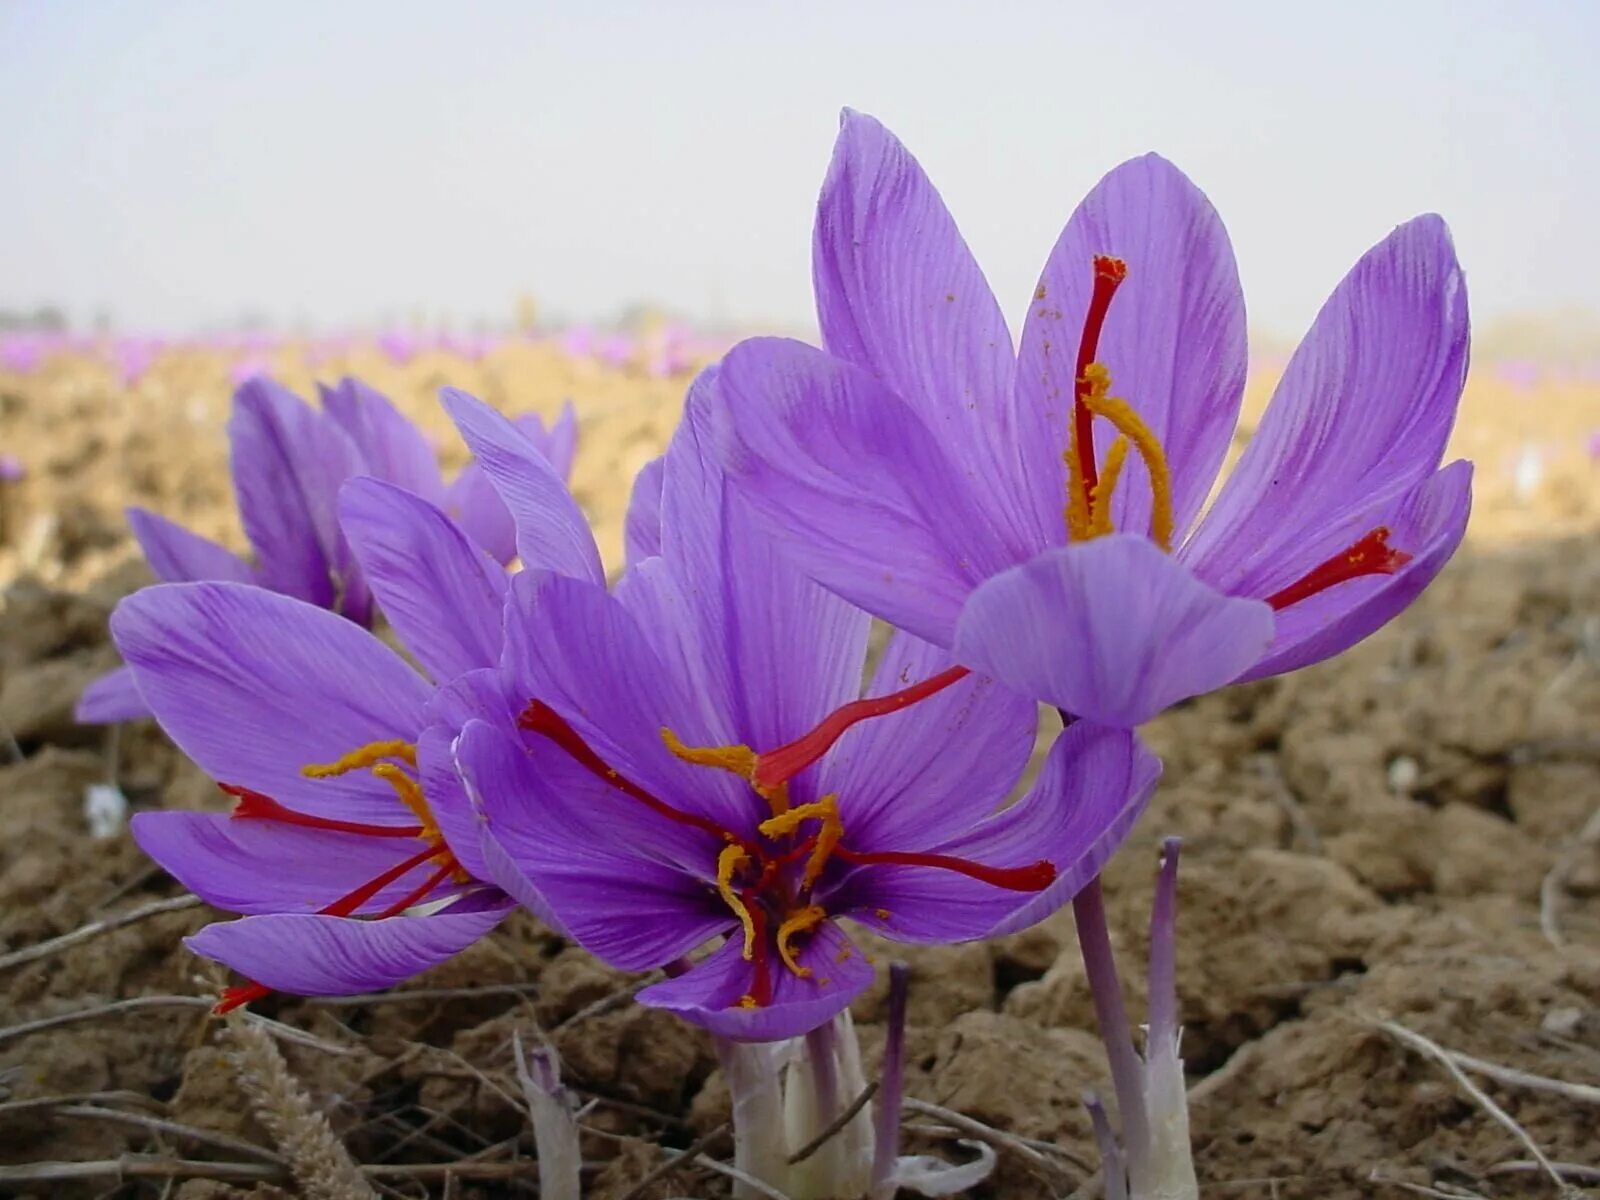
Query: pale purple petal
1095, 783
393, 449
177, 555
933, 769
472, 503
1428, 522
1362, 413
552, 532
111, 698
254, 686
854, 488
1174, 340
709, 993
558, 443
900, 295
1111, 630
448, 799
443, 595
642, 528
307, 955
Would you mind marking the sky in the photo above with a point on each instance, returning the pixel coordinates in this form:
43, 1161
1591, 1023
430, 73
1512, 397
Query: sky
332, 166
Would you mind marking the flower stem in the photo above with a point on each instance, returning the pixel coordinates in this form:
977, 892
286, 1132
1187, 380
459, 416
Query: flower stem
886, 1137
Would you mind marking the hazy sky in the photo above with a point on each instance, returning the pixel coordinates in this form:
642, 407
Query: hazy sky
179, 164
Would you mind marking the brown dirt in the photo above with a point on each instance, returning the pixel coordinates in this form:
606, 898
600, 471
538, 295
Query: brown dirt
1364, 841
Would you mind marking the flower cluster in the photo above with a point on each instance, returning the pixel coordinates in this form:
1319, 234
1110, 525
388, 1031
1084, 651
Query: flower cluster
680, 767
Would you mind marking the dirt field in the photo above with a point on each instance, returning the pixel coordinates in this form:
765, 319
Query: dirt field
1395, 836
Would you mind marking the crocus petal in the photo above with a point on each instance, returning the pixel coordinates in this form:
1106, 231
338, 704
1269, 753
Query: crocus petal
288, 461
558, 443
176, 555
483, 695
708, 994
444, 596
853, 486
448, 799
934, 769
1174, 340
254, 686
1095, 783
780, 652
1428, 522
574, 647
1111, 630
111, 698
641, 529
472, 503
252, 866
308, 955
393, 449
900, 296
585, 850
1362, 413
551, 530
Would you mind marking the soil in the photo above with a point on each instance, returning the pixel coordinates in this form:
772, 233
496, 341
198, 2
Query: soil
1394, 836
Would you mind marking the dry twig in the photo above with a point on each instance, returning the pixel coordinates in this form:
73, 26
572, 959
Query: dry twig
93, 930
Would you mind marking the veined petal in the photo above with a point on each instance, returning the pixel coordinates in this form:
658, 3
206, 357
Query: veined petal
552, 532
394, 449
452, 807
1095, 783
780, 652
473, 504
177, 555
708, 994
444, 596
586, 851
900, 296
111, 698
1362, 413
308, 955
932, 770
254, 686
1111, 630
854, 488
642, 527
1428, 520
1174, 340
558, 443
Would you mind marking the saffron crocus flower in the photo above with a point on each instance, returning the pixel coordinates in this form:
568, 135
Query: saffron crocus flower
1037, 512
612, 781
288, 461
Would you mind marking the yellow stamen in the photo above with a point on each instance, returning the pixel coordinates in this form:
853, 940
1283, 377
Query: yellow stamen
737, 760
796, 923
363, 757
826, 811
1120, 413
1100, 521
729, 862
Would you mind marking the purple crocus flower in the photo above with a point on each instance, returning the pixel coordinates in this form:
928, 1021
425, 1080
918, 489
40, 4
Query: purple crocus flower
1037, 512
609, 754
289, 460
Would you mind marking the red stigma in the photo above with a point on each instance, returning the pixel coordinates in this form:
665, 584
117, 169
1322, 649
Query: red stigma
760, 951
1034, 877
231, 998
1108, 276
255, 806
1371, 555
778, 766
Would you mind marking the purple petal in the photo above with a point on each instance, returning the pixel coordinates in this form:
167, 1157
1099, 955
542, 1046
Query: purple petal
176, 555
1361, 414
111, 698
900, 295
473, 504
393, 449
552, 532
574, 647
709, 994
559, 443
254, 686
1095, 783
642, 528
854, 488
253, 866
448, 799
586, 852
1428, 522
444, 596
934, 769
1174, 340
308, 955
1111, 630
780, 652
483, 695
